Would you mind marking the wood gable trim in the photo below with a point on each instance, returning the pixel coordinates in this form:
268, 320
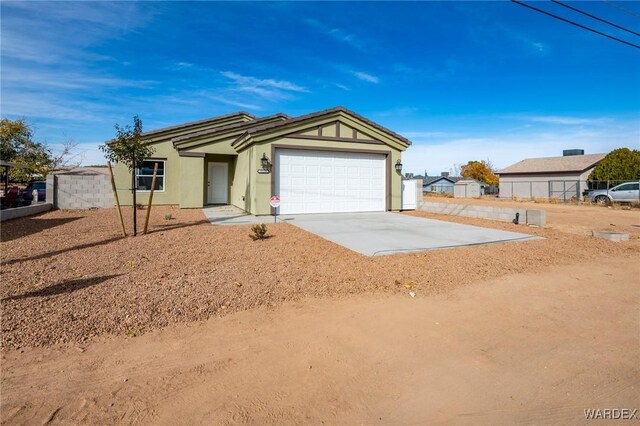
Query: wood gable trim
331, 138
295, 128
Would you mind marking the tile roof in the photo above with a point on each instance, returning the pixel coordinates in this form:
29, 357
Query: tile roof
238, 114
570, 163
232, 127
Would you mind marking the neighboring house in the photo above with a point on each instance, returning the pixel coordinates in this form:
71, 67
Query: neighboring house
439, 184
468, 188
329, 161
550, 177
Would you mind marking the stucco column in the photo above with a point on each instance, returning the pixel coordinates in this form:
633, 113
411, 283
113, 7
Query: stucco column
396, 182
192, 182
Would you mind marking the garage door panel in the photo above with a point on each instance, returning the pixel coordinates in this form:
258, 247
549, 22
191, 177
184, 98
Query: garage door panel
323, 182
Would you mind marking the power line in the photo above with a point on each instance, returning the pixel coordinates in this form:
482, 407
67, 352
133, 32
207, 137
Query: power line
576, 24
595, 17
630, 12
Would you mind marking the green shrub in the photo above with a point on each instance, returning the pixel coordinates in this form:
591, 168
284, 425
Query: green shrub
168, 216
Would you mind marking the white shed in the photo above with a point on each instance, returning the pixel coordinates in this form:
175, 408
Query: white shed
468, 188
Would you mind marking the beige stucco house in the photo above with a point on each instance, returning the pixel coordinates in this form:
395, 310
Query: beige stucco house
549, 177
329, 161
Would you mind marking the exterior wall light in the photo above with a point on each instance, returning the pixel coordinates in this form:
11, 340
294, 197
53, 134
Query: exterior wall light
265, 165
398, 166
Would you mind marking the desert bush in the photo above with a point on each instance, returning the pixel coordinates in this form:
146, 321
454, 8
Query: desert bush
259, 232
168, 216
438, 194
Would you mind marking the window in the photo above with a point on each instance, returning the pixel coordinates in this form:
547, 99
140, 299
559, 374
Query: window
627, 187
144, 175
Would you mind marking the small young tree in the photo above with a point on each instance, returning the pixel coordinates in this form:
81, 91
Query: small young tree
129, 149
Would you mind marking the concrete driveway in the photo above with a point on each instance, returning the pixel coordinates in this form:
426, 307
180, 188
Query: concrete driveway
376, 234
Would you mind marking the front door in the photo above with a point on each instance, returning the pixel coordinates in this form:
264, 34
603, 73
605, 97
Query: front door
217, 181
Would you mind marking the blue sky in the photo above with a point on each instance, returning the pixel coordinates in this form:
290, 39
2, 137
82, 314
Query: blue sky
462, 80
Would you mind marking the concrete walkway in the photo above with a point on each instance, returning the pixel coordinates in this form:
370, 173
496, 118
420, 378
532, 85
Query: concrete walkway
232, 215
375, 234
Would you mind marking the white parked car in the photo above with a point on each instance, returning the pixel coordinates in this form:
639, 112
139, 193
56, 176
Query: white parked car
627, 192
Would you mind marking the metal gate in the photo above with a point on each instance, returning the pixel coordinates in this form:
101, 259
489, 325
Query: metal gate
409, 196
564, 190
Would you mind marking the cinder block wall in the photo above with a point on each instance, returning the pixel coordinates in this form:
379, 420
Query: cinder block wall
503, 214
79, 191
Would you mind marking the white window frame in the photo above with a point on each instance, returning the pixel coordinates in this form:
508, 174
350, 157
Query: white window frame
164, 175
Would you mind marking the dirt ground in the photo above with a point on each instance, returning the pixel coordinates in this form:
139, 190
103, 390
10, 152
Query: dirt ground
195, 323
572, 218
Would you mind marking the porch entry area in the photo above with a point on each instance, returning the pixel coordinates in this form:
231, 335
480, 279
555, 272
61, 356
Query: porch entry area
217, 183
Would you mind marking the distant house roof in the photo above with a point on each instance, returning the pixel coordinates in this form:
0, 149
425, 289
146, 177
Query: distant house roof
430, 180
570, 163
468, 181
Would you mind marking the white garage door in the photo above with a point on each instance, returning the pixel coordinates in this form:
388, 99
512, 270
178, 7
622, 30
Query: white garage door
329, 182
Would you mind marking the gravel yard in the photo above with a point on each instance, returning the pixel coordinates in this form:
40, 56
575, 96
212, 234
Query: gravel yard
566, 217
68, 276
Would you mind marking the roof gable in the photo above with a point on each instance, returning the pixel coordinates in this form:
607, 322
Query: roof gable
332, 124
570, 163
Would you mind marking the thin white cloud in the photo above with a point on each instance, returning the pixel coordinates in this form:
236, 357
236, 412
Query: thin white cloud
268, 89
181, 66
342, 86
48, 106
396, 112
341, 35
247, 82
50, 69
61, 32
404, 69
337, 34
366, 77
66, 79
564, 120
427, 135
235, 103
540, 47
